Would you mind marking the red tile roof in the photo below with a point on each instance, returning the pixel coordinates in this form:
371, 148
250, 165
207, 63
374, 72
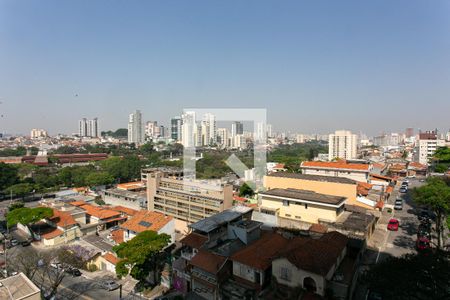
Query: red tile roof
376, 176
62, 218
99, 212
315, 255
52, 234
125, 210
335, 165
77, 203
117, 236
155, 219
111, 258
194, 240
208, 261
363, 188
260, 253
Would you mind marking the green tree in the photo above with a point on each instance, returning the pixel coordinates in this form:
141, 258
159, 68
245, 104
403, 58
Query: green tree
122, 169
16, 205
21, 189
141, 254
435, 194
8, 176
246, 191
413, 276
28, 215
99, 178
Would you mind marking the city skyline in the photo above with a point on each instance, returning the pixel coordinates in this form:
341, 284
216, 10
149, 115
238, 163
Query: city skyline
330, 60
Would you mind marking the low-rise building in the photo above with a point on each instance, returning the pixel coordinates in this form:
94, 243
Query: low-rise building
19, 287
310, 263
148, 220
354, 171
121, 197
301, 205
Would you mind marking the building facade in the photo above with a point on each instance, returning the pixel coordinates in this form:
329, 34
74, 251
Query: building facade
427, 145
342, 144
135, 128
187, 201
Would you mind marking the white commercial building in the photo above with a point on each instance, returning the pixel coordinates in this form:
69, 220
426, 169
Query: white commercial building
342, 144
428, 143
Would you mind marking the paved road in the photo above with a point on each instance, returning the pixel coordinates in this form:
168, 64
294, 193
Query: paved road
98, 242
402, 241
84, 288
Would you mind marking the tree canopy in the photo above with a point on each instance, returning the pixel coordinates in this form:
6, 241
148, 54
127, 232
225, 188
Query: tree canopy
413, 276
435, 194
8, 176
26, 215
246, 191
138, 255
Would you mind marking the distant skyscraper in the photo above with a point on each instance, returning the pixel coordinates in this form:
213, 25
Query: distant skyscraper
209, 132
152, 129
237, 128
92, 128
82, 127
189, 129
409, 132
269, 130
223, 137
175, 128
135, 128
342, 144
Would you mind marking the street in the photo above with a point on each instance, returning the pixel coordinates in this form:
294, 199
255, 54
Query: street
402, 241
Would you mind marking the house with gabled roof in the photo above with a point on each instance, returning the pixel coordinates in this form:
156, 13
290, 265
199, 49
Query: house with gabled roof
148, 220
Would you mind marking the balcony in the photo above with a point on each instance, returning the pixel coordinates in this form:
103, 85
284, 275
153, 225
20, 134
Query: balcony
187, 255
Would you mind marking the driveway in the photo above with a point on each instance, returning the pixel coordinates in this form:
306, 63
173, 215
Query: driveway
98, 242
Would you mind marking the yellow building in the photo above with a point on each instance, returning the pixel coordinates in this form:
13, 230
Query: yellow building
301, 205
335, 186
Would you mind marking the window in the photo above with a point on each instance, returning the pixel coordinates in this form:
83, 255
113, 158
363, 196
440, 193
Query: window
285, 274
298, 217
306, 205
287, 215
285, 203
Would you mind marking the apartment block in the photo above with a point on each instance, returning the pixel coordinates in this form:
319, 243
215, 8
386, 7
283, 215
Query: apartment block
428, 144
188, 201
342, 144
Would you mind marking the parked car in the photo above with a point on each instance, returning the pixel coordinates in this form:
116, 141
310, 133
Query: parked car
393, 225
109, 285
26, 243
73, 271
425, 215
422, 244
422, 232
425, 226
57, 266
14, 242
398, 204
114, 228
403, 189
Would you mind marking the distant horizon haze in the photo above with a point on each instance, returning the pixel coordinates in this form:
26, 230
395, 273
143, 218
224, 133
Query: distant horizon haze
316, 66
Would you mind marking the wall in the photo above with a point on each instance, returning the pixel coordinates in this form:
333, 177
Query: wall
297, 276
169, 229
246, 272
299, 212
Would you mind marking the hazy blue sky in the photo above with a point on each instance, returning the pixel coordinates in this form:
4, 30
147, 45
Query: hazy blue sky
315, 65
